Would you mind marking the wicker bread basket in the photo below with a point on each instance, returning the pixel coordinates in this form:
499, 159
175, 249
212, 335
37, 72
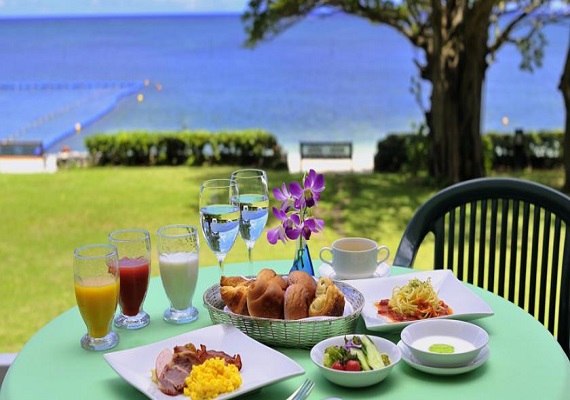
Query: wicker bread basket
286, 333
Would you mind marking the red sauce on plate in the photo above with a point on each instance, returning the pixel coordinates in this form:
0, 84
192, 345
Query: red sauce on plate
386, 311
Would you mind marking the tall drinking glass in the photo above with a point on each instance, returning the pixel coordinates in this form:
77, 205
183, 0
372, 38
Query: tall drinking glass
178, 249
96, 278
133, 246
253, 201
219, 216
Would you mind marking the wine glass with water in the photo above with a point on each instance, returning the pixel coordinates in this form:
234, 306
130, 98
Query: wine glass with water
254, 202
219, 216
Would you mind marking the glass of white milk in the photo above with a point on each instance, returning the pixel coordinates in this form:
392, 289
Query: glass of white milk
178, 248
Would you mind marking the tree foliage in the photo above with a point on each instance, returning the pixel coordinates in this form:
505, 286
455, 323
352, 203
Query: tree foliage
458, 41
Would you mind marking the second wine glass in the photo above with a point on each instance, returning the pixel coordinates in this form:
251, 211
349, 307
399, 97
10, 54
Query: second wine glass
219, 216
253, 202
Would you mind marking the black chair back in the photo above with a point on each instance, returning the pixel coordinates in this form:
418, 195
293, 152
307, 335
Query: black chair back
509, 236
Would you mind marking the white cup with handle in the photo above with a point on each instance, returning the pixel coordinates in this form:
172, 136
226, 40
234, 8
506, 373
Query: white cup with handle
354, 257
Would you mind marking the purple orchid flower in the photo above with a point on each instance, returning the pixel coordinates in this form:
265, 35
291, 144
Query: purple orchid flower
275, 234
284, 196
310, 194
295, 220
288, 229
311, 225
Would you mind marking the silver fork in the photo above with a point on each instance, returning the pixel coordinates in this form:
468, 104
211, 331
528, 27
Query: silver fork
302, 391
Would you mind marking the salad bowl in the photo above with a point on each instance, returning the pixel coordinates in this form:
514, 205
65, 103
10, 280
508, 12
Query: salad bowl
356, 378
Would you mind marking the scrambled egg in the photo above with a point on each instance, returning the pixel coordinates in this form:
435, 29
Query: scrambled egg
212, 378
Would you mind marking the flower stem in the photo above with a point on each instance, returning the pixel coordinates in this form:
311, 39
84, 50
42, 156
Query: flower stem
250, 258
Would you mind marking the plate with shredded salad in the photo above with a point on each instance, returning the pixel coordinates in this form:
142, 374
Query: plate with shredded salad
392, 303
261, 365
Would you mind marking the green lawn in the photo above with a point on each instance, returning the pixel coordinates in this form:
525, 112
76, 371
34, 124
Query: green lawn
45, 217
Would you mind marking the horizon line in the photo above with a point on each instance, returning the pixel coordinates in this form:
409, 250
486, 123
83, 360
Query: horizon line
119, 15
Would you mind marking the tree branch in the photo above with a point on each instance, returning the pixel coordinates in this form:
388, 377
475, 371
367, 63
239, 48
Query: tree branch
505, 35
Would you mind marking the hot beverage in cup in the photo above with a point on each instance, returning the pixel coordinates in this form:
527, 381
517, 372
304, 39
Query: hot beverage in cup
354, 257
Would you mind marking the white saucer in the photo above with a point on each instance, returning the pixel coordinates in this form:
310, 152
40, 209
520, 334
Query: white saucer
414, 363
326, 271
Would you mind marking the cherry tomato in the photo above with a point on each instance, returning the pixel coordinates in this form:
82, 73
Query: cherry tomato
337, 365
352, 365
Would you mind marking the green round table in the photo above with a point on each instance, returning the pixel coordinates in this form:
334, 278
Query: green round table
526, 362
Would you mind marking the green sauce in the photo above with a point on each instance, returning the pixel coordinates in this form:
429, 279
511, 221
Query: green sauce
441, 348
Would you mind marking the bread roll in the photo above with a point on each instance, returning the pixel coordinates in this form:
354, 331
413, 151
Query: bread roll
270, 296
265, 298
266, 274
280, 281
297, 301
329, 300
303, 278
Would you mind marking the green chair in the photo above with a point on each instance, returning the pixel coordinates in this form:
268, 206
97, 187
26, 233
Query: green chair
509, 236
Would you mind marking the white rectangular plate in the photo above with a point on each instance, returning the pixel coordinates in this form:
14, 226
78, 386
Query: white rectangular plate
261, 365
466, 305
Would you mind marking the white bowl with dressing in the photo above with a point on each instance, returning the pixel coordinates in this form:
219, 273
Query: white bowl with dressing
444, 342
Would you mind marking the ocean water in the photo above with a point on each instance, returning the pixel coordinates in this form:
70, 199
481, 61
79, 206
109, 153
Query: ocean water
336, 78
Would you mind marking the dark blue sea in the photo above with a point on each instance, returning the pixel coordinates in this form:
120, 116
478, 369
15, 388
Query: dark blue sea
335, 78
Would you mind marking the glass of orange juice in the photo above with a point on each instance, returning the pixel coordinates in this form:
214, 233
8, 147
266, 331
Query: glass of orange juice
96, 277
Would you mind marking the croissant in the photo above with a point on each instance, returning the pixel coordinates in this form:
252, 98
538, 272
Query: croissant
234, 281
329, 300
235, 297
233, 290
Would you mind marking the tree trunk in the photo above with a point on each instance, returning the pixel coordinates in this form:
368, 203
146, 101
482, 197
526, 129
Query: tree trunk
457, 73
436, 116
472, 69
565, 89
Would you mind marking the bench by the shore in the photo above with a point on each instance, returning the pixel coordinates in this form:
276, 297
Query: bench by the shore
326, 156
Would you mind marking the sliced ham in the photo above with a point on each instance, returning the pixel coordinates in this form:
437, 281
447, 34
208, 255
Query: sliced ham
162, 360
171, 381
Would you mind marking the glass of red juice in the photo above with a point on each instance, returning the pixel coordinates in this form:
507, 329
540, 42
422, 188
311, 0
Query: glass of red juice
133, 246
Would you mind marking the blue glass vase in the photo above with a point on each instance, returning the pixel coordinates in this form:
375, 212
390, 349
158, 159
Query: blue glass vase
302, 260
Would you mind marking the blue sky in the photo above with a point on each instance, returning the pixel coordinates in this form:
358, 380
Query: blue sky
11, 8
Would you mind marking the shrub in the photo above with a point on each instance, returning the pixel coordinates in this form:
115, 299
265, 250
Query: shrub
409, 152
255, 148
